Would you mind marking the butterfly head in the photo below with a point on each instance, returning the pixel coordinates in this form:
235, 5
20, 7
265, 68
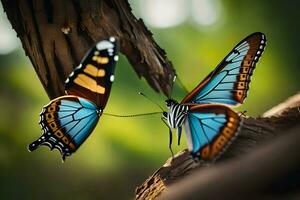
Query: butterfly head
170, 103
99, 112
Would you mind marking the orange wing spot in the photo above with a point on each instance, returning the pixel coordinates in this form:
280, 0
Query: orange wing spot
65, 140
218, 145
94, 58
89, 83
72, 146
228, 132
49, 117
240, 94
205, 152
229, 124
100, 60
231, 119
59, 134
245, 70
243, 77
53, 126
241, 85
101, 73
94, 71
247, 63
91, 70
51, 108
103, 60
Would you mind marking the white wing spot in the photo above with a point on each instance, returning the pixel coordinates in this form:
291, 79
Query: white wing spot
79, 66
104, 45
71, 74
116, 58
258, 52
96, 53
112, 39
67, 81
112, 78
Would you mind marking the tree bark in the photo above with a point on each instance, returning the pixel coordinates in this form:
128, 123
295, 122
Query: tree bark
264, 155
56, 34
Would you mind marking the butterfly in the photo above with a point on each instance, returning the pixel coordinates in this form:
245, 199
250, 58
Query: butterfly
68, 120
209, 122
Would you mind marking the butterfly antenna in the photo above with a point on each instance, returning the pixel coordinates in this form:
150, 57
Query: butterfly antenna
140, 93
134, 115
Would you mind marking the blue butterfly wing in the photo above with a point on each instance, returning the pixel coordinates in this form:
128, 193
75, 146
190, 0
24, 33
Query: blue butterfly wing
66, 122
210, 129
229, 82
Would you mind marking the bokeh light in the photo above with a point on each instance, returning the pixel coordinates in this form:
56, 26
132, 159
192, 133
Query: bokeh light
8, 39
206, 12
163, 13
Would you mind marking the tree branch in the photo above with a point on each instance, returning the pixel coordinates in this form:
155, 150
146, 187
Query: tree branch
56, 34
259, 158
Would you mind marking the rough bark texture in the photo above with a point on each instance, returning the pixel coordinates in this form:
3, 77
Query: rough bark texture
56, 34
263, 155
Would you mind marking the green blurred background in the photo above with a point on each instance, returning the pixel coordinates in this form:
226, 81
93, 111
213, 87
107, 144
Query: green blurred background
122, 152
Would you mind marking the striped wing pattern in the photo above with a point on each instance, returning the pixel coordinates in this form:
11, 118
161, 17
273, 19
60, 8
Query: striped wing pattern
229, 82
66, 122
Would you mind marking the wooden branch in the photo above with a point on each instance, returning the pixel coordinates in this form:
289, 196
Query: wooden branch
254, 151
56, 34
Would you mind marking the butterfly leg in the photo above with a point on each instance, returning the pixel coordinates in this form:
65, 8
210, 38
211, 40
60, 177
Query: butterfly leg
179, 130
170, 142
170, 137
242, 114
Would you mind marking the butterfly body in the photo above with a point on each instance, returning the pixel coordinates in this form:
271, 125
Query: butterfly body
205, 113
67, 121
177, 113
